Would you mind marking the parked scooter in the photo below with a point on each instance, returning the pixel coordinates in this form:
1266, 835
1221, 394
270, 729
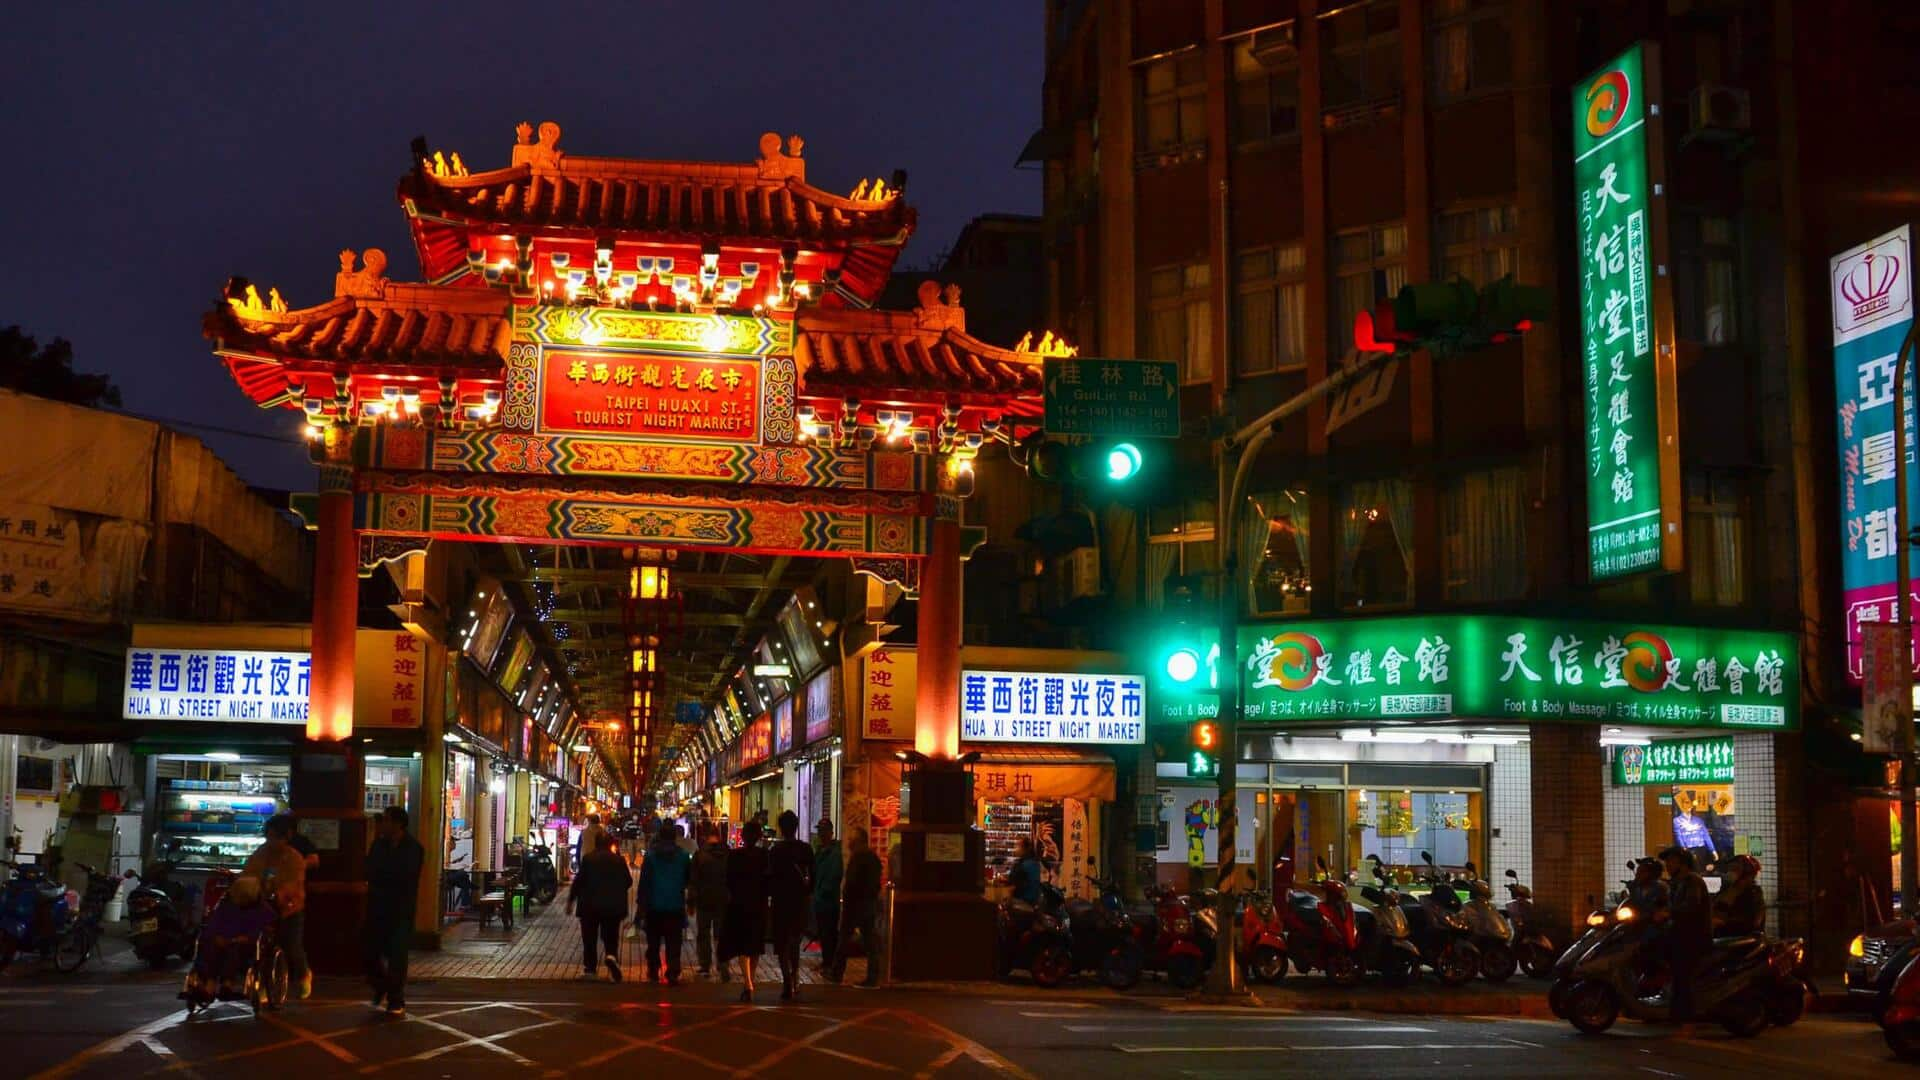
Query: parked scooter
1386, 939
1735, 986
1168, 939
1600, 922
1492, 933
1900, 1018
1263, 942
1439, 928
1532, 949
537, 872
81, 937
1033, 940
35, 912
1322, 934
156, 917
1101, 938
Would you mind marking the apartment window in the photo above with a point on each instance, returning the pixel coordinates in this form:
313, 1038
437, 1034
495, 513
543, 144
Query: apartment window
1275, 536
1180, 320
1173, 102
1707, 307
1361, 43
1183, 562
1376, 544
1369, 265
1478, 245
1266, 99
1484, 543
1470, 51
1716, 539
1270, 313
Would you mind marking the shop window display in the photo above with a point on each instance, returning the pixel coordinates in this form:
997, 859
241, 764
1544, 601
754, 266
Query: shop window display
1398, 825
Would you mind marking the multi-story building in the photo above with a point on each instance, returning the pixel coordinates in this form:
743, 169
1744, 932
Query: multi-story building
1229, 182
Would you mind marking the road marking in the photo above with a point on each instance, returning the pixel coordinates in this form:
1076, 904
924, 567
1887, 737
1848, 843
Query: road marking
659, 1042
1050, 1004
111, 1046
973, 1049
465, 1040
1386, 1029
951, 1055
1272, 1048
797, 1045
315, 1038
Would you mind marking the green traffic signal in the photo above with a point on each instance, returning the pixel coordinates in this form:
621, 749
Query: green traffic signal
1123, 462
1183, 665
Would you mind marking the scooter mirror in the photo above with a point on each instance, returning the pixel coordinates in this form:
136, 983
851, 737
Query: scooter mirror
1514, 874
1427, 857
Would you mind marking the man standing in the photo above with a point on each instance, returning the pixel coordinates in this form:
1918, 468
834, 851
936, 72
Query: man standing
710, 893
393, 886
599, 892
790, 886
1690, 933
283, 871
827, 871
663, 896
859, 907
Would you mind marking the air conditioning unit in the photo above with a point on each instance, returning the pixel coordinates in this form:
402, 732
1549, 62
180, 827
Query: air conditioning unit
1275, 46
1717, 110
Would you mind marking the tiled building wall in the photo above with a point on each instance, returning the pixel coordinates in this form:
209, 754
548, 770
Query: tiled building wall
1510, 814
1626, 823
1569, 832
1755, 812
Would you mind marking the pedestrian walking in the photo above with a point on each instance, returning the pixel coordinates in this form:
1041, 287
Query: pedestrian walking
743, 933
598, 896
827, 871
790, 888
393, 887
663, 902
859, 907
590, 840
710, 895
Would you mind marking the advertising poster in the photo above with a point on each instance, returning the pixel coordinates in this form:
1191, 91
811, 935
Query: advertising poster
887, 693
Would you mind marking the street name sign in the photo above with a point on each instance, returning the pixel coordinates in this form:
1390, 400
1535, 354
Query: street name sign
1134, 398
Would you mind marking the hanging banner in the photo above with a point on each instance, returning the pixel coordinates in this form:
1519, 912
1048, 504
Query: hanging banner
1872, 291
1887, 700
889, 683
823, 705
389, 679
1076, 876
1675, 761
1626, 321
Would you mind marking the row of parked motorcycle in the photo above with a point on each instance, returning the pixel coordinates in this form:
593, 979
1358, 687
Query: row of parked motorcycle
40, 916
1449, 925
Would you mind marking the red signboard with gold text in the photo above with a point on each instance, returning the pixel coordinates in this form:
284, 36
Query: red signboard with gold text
586, 392
756, 743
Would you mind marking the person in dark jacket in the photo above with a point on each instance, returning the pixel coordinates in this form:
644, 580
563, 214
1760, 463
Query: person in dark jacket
828, 868
663, 901
599, 896
393, 887
743, 932
859, 907
1026, 874
1740, 908
710, 895
1689, 929
790, 887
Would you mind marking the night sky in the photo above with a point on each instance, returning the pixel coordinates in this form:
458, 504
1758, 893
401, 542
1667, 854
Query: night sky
158, 148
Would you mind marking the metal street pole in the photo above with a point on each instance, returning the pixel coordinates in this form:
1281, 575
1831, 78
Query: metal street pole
1909, 841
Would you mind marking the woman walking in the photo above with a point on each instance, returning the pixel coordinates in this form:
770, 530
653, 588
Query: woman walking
599, 896
790, 887
743, 933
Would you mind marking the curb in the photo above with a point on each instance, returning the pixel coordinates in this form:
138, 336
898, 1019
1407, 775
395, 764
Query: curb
1314, 998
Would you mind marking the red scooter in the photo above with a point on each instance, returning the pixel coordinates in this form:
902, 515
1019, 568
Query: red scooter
1168, 940
1263, 942
1322, 933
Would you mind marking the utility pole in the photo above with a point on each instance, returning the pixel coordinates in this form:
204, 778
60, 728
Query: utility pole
1903, 605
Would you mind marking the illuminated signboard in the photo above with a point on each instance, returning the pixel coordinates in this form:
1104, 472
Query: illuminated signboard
1872, 309
1052, 707
228, 685
1678, 761
590, 392
1626, 321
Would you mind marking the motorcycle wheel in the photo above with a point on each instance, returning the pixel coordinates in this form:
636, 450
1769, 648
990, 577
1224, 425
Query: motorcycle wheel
1497, 963
1456, 965
1557, 998
1592, 1008
1398, 972
1341, 970
1746, 1017
1269, 964
1120, 968
1051, 966
1183, 972
549, 892
1904, 1041
1787, 1004
1537, 962
72, 950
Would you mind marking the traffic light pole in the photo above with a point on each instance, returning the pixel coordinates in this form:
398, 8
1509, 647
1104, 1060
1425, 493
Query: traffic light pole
1234, 455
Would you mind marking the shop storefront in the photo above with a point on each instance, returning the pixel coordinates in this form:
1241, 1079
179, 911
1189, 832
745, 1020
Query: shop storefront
815, 768
1402, 735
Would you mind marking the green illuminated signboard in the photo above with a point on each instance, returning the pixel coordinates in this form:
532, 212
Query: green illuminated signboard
1678, 761
1626, 321
1429, 667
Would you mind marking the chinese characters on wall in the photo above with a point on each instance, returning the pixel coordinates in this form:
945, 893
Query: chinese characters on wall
230, 685
888, 687
390, 679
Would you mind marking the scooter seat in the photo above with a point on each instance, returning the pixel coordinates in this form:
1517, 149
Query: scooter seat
1737, 943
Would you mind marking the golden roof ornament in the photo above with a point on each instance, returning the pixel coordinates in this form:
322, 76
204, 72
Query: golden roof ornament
369, 283
776, 164
940, 308
543, 155
1049, 347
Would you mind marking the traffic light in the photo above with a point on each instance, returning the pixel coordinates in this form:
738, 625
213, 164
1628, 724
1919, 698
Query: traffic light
1509, 309
1450, 316
1203, 749
1102, 461
1192, 666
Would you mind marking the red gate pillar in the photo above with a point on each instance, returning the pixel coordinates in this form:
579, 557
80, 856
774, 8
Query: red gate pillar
941, 927
329, 776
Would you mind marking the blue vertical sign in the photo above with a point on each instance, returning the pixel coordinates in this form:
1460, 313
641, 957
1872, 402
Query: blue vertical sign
1872, 290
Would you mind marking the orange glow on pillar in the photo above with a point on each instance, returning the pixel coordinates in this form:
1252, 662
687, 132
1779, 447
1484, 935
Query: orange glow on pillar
336, 611
936, 726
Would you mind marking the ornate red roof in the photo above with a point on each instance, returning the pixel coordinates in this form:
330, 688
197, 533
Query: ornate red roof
863, 353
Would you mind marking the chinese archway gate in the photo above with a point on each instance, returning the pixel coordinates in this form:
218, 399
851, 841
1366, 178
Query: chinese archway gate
614, 351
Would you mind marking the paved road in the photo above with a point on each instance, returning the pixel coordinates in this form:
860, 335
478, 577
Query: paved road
119, 1025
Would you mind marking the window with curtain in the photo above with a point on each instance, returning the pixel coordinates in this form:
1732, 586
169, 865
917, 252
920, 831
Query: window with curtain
1478, 244
1362, 260
1266, 100
1484, 536
1716, 538
1706, 304
1376, 544
1275, 542
1361, 44
1183, 562
1470, 51
1173, 102
1180, 320
1270, 316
